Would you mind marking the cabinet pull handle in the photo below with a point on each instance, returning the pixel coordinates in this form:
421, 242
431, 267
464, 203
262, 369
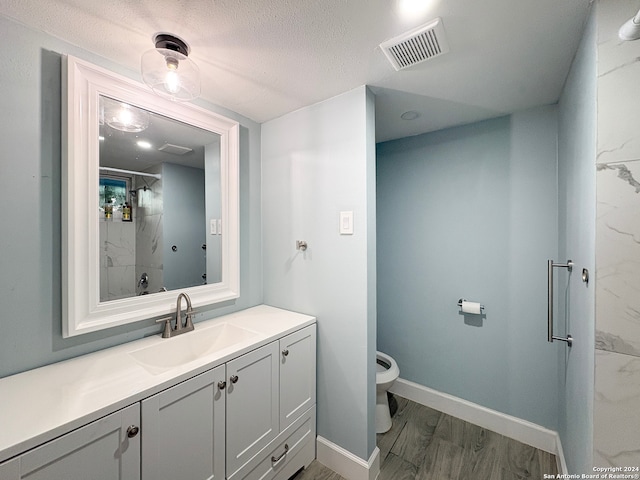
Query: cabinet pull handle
277, 459
132, 431
221, 385
234, 378
285, 352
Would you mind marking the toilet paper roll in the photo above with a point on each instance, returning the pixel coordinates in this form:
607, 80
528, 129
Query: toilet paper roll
471, 307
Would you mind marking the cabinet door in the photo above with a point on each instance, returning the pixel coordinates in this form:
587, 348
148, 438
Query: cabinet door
183, 430
252, 404
101, 450
297, 374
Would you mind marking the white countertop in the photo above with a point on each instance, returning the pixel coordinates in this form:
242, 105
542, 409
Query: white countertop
44, 403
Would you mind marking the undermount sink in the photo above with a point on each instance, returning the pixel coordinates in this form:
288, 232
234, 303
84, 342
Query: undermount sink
176, 351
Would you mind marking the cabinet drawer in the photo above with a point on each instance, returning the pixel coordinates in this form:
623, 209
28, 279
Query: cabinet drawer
299, 439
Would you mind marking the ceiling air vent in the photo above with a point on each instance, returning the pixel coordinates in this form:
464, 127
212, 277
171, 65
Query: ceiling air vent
175, 149
416, 46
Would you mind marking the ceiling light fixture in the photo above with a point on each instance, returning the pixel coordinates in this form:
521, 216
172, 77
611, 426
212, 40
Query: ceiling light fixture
169, 71
412, 9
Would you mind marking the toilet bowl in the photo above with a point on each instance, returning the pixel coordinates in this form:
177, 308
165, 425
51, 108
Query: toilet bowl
387, 372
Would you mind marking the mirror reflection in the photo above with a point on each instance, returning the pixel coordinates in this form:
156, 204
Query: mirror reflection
159, 203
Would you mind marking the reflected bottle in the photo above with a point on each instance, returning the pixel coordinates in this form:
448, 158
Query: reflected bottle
126, 212
108, 211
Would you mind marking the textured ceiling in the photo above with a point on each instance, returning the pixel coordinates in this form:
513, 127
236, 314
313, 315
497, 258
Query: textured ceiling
263, 59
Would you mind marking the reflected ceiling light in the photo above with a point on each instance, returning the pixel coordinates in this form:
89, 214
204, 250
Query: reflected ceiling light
169, 71
631, 29
123, 117
143, 144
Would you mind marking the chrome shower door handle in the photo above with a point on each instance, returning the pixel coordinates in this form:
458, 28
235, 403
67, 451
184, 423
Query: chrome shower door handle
550, 266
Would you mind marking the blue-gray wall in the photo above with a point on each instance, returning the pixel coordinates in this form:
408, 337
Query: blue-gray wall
577, 205
30, 278
471, 212
317, 162
183, 212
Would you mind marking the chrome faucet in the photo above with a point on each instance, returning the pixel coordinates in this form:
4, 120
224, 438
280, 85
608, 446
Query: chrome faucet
188, 324
180, 327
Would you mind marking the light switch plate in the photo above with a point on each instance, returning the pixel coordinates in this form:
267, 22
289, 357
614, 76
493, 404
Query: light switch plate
346, 223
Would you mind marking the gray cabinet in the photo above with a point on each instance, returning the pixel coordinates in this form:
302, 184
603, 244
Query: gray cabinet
184, 430
253, 417
271, 419
263, 392
106, 449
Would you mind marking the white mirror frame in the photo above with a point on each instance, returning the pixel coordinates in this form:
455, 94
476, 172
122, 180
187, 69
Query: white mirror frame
82, 311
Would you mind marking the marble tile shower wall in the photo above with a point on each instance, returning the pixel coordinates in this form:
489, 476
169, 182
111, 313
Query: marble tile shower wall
117, 259
149, 229
617, 375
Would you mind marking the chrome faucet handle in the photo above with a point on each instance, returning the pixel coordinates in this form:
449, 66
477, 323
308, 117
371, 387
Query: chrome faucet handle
166, 333
178, 326
189, 313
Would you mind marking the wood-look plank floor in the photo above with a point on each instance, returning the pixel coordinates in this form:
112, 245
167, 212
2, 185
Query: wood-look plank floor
424, 444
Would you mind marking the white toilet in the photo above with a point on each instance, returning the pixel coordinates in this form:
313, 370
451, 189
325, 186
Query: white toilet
386, 373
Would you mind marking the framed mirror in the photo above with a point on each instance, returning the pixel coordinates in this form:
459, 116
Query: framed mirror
150, 202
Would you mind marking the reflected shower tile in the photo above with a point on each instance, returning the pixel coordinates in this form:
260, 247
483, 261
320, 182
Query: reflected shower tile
104, 283
149, 242
122, 282
120, 244
618, 256
617, 396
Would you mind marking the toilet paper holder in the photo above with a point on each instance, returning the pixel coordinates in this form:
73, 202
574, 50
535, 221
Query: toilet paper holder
464, 300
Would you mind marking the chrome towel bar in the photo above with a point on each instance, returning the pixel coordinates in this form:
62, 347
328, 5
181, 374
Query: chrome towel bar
550, 267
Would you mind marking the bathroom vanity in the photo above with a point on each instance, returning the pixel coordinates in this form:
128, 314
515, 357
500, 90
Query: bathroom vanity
233, 399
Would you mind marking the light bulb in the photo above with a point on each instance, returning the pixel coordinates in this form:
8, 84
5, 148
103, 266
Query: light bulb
410, 9
172, 82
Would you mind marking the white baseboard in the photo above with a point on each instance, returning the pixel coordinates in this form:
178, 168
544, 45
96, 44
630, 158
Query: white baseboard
512, 427
345, 463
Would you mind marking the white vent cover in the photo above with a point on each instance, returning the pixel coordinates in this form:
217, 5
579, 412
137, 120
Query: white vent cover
175, 149
416, 46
